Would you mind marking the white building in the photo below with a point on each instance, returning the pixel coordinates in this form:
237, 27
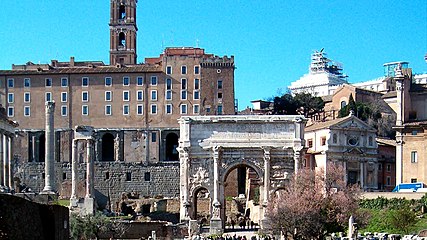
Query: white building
323, 78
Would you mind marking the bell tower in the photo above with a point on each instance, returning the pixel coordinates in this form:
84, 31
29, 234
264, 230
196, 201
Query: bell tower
123, 32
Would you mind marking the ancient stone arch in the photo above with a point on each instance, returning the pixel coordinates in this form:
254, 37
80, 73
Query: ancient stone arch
210, 147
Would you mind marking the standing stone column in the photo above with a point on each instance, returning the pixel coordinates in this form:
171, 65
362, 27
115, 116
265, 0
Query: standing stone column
2, 184
267, 160
362, 175
297, 159
74, 175
49, 146
10, 163
6, 161
216, 222
89, 169
183, 159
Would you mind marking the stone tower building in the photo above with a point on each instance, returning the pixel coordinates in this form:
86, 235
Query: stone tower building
123, 32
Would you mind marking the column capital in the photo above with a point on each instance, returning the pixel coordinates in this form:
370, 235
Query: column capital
50, 106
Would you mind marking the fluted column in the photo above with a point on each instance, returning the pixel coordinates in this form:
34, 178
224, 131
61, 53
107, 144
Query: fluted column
6, 161
216, 204
49, 149
89, 169
10, 163
267, 160
74, 174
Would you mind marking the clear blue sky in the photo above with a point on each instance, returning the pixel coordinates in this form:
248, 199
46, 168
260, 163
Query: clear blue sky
271, 40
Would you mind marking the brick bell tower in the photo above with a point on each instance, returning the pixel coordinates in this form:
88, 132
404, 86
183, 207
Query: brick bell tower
123, 32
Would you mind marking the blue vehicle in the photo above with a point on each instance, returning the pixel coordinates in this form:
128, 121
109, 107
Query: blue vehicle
407, 187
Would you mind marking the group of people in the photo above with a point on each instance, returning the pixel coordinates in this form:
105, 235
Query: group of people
244, 223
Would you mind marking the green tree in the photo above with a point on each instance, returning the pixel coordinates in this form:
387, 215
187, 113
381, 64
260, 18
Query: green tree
88, 226
300, 103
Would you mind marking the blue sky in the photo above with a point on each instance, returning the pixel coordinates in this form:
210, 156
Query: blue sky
271, 40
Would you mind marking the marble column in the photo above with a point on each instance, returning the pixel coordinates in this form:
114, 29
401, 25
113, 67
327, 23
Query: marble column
49, 149
184, 164
297, 160
6, 161
10, 163
215, 203
267, 160
74, 174
2, 183
89, 169
362, 175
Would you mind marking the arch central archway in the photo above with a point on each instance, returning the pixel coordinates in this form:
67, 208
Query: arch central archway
108, 147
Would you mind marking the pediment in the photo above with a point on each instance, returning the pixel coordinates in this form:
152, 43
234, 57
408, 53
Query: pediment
355, 150
353, 123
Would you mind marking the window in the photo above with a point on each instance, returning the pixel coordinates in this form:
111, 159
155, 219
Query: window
196, 95
183, 83
196, 108
184, 69
126, 96
208, 109
27, 82
220, 95
196, 69
64, 176
183, 94
10, 111
414, 132
128, 176
48, 82
147, 176
334, 138
370, 141
64, 111
168, 69
168, 95
64, 82
48, 97
27, 97
107, 109
10, 97
219, 109
310, 143
388, 167
126, 109
153, 95
27, 111
196, 83
183, 108
413, 180
63, 97
153, 80
153, 136
139, 109
107, 175
139, 95
414, 157
85, 110
85, 96
380, 166
108, 81
322, 141
219, 84
108, 96
85, 81
388, 181
139, 81
168, 84
343, 104
126, 81
168, 108
10, 82
153, 109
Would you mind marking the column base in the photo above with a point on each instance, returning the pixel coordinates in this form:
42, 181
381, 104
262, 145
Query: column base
89, 206
216, 227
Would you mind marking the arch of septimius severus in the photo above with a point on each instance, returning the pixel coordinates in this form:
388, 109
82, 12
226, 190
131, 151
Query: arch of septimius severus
210, 147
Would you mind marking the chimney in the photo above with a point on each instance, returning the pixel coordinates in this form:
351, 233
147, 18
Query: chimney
71, 61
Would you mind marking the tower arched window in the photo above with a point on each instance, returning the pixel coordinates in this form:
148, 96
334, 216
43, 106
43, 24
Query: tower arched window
122, 39
122, 12
343, 104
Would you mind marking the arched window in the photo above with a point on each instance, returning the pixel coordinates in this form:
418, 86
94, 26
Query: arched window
122, 12
107, 147
171, 145
122, 39
343, 104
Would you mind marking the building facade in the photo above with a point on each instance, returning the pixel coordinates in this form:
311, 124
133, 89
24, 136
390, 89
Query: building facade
347, 141
133, 109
